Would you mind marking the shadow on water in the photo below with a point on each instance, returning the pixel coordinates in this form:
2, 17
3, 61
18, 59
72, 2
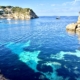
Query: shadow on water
14, 69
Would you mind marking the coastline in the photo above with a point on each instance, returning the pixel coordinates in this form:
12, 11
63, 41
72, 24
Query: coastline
10, 12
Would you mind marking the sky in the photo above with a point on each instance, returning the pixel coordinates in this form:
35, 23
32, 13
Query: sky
47, 7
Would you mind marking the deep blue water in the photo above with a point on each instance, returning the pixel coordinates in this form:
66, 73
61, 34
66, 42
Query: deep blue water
39, 49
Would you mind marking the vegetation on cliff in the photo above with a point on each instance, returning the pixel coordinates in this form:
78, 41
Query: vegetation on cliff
19, 9
18, 12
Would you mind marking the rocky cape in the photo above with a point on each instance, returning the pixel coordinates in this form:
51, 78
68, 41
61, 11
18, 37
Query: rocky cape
10, 12
74, 26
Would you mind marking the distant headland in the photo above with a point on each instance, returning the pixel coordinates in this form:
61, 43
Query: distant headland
10, 12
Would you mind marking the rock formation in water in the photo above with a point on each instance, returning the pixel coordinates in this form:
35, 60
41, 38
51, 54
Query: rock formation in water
17, 13
74, 26
2, 77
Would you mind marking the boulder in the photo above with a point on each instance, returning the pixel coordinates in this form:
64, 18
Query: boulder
78, 30
74, 26
71, 26
78, 25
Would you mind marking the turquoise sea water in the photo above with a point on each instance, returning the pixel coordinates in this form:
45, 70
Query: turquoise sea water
39, 49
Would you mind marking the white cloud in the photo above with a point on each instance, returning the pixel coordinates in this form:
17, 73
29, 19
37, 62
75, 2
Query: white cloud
76, 1
71, 2
68, 3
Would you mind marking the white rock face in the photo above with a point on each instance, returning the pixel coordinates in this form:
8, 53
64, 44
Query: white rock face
24, 16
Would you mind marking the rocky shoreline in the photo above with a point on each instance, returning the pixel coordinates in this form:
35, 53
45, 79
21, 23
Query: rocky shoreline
2, 77
74, 26
17, 13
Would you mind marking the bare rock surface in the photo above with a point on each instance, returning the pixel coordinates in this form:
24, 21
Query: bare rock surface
74, 26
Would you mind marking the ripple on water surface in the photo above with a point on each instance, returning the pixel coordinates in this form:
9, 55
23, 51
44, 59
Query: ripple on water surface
40, 48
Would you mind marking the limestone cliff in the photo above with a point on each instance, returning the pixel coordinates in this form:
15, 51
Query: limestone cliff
17, 13
24, 15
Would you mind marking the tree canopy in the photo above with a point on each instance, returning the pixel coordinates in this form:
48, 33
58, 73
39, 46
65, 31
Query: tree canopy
15, 9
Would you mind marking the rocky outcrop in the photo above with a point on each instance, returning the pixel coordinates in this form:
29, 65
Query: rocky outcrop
2, 77
24, 16
18, 13
74, 26
71, 26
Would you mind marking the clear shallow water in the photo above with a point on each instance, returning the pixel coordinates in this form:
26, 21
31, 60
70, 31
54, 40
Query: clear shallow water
39, 49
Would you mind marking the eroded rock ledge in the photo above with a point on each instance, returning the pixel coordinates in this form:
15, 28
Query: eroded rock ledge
74, 26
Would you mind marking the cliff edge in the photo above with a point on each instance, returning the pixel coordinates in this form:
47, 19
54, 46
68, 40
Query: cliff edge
17, 13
